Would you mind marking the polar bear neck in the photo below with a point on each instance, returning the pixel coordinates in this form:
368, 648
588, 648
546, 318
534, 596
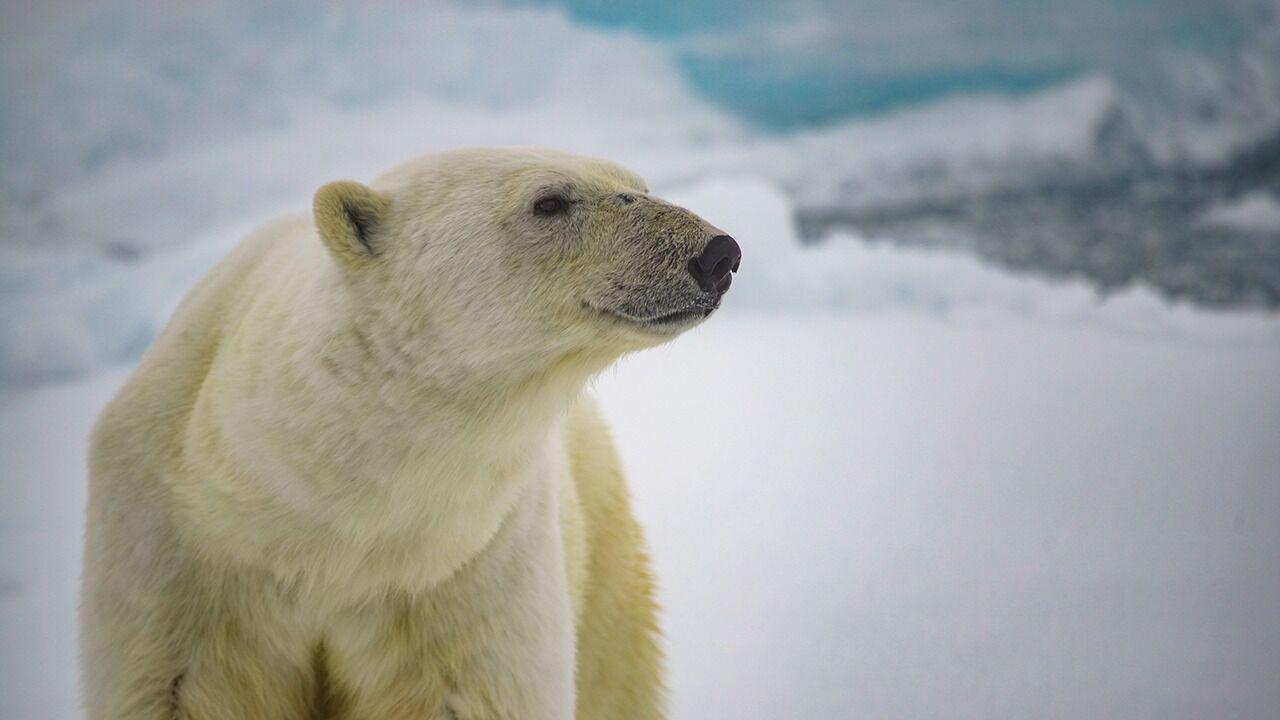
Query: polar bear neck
367, 447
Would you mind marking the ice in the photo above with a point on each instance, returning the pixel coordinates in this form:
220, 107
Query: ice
136, 133
111, 81
960, 144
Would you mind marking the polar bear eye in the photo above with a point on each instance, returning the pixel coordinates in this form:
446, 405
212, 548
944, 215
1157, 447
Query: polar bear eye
554, 205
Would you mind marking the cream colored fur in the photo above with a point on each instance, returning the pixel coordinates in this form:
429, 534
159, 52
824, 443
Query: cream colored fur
356, 476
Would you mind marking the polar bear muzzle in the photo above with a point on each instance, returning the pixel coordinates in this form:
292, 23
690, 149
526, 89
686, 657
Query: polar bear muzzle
670, 280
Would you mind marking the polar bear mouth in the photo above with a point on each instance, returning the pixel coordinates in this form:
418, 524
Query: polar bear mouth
681, 316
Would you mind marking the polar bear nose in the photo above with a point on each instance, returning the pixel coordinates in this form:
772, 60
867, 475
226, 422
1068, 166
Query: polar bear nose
714, 267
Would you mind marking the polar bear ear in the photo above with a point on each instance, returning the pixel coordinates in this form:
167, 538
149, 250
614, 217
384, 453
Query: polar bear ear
348, 216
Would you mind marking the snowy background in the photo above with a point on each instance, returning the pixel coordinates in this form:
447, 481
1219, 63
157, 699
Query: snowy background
998, 385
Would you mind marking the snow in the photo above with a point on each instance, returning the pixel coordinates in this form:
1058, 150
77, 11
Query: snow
895, 515
869, 514
42, 462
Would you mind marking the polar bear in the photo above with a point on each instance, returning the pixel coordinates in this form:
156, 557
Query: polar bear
357, 475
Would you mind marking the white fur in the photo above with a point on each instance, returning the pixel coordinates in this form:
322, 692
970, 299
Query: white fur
342, 469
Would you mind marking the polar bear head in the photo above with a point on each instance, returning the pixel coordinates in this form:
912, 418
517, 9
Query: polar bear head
514, 258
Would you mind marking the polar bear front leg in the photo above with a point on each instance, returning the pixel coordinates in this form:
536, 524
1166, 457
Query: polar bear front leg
165, 636
195, 656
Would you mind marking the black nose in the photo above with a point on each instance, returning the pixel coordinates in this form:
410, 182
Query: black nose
714, 267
